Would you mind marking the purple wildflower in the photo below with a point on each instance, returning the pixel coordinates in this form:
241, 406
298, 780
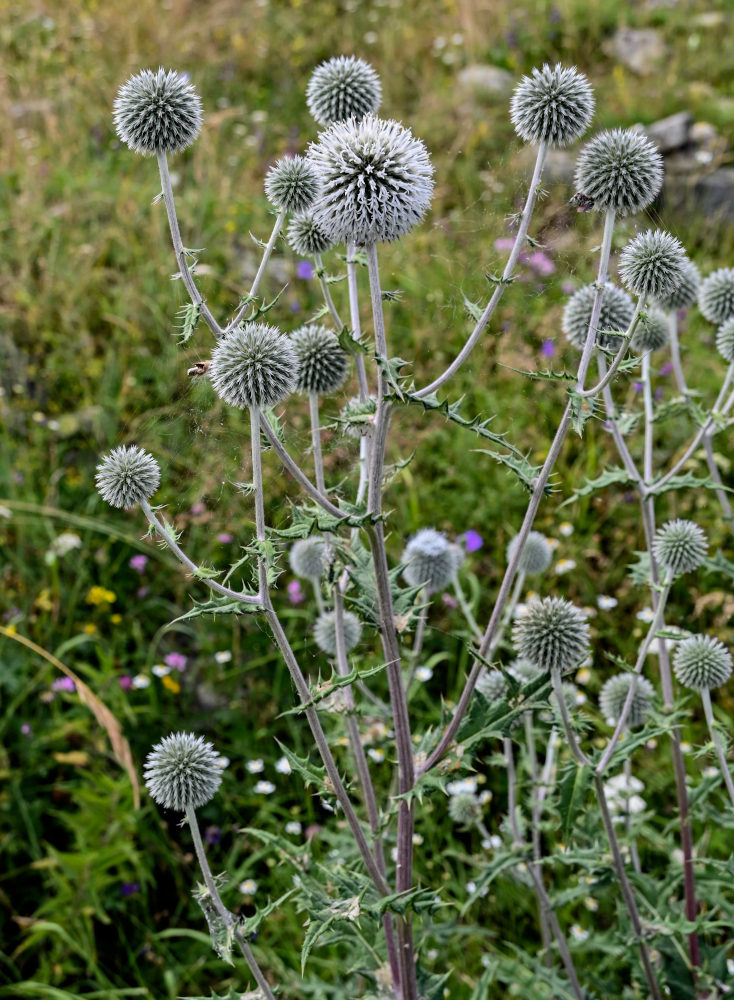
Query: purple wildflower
541, 263
473, 540
295, 594
26, 729
224, 538
129, 888
305, 270
63, 684
504, 243
449, 601
667, 368
212, 835
197, 509
548, 348
138, 563
125, 681
176, 661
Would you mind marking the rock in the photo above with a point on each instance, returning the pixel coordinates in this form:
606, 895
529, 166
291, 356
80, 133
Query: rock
489, 81
639, 49
670, 133
559, 165
710, 196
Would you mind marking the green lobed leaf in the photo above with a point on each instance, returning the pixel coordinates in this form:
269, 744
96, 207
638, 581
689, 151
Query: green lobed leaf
572, 793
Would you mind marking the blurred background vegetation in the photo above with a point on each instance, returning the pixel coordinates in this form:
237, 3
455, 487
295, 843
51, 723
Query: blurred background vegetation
94, 892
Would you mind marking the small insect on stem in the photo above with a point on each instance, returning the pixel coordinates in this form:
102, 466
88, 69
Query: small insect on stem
200, 368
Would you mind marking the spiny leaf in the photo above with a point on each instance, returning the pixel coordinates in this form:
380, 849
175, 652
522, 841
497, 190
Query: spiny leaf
336, 682
473, 308
351, 344
311, 774
546, 376
221, 927
688, 481
217, 606
573, 788
582, 410
609, 477
719, 564
189, 316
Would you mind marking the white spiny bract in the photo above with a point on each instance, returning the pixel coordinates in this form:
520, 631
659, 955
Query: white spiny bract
620, 170
254, 365
701, 662
126, 476
536, 554
306, 237
291, 184
182, 770
716, 295
341, 88
685, 292
555, 105
652, 332
322, 364
553, 633
617, 310
680, 546
376, 180
324, 631
358, 416
307, 557
429, 560
492, 685
725, 340
614, 694
652, 263
465, 809
157, 112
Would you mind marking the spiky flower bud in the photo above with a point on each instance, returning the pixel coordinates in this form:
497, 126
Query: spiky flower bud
536, 553
621, 171
552, 633
291, 184
254, 365
157, 112
725, 340
524, 671
652, 332
617, 310
429, 560
685, 292
555, 105
306, 237
182, 770
126, 476
652, 263
358, 417
492, 685
680, 546
344, 87
716, 295
376, 180
465, 809
322, 364
701, 662
571, 696
308, 557
324, 631
614, 694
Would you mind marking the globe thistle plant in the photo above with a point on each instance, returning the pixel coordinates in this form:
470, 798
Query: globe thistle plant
465, 809
613, 696
254, 365
157, 112
725, 341
702, 662
652, 263
652, 332
324, 631
555, 105
182, 771
524, 671
344, 87
685, 292
617, 310
306, 237
716, 295
376, 181
680, 546
619, 171
552, 633
429, 560
536, 554
358, 416
307, 557
322, 364
127, 476
291, 184
492, 685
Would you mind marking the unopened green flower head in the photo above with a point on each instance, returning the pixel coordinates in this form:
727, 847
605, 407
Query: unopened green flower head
524, 671
127, 476
157, 112
322, 364
357, 417
614, 694
324, 632
652, 332
307, 557
617, 310
553, 633
555, 105
652, 263
680, 546
291, 184
536, 553
492, 685
465, 809
182, 770
725, 340
685, 292
306, 237
429, 560
716, 295
254, 365
620, 171
343, 87
701, 662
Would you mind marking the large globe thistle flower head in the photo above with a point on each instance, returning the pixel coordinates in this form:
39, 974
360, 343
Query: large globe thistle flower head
617, 310
702, 662
716, 295
157, 112
555, 105
429, 559
614, 693
553, 633
492, 685
725, 340
307, 557
291, 184
620, 171
536, 554
652, 263
324, 631
127, 476
322, 364
344, 87
182, 771
685, 292
306, 237
376, 181
652, 332
254, 365
680, 546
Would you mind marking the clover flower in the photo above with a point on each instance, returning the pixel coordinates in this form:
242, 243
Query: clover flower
685, 292
680, 546
614, 694
536, 554
182, 771
429, 559
291, 184
127, 476
324, 632
620, 171
492, 685
617, 310
306, 237
716, 295
254, 365
307, 557
322, 364
157, 112
652, 263
343, 87
652, 332
555, 105
725, 340
702, 662
553, 633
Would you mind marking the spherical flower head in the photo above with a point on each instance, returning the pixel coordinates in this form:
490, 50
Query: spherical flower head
555, 105
127, 476
725, 340
322, 364
652, 332
344, 87
306, 237
465, 809
291, 184
358, 416
716, 295
324, 632
553, 633
620, 171
524, 671
570, 696
376, 180
536, 553
685, 292
429, 560
182, 770
614, 694
680, 546
492, 685
157, 112
652, 263
254, 365
308, 557
617, 310
701, 662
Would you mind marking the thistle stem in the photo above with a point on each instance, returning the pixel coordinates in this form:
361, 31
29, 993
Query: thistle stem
313, 404
466, 608
291, 467
356, 324
618, 357
328, 300
716, 739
